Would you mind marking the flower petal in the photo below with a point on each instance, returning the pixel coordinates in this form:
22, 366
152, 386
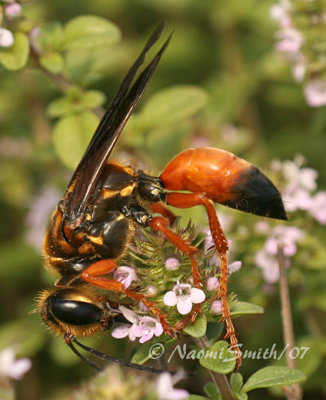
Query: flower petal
197, 295
148, 336
158, 329
130, 315
170, 298
121, 331
184, 306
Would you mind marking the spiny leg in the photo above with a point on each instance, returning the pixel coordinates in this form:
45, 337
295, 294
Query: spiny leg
160, 224
186, 200
93, 274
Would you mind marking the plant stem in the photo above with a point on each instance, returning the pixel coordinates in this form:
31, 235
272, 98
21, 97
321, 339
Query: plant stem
293, 392
220, 380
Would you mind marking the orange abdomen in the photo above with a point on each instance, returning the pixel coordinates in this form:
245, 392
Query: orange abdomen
225, 179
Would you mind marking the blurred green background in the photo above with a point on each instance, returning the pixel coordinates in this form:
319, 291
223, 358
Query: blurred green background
242, 98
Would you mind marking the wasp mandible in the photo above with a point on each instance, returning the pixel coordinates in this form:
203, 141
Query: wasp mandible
106, 202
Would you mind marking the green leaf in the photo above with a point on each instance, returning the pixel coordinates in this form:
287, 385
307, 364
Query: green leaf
219, 358
172, 105
52, 61
198, 328
153, 349
197, 397
15, 57
240, 396
273, 376
243, 308
92, 99
75, 102
236, 381
88, 31
71, 136
212, 391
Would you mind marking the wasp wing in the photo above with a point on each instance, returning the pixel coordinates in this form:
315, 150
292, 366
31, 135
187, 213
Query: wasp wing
83, 183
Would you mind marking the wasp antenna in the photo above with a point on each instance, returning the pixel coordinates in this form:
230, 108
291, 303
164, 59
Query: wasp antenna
106, 357
81, 356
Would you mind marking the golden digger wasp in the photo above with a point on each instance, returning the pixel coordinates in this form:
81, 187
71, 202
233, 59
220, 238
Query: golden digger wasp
106, 202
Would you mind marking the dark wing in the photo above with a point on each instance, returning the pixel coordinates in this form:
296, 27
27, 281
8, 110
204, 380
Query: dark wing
85, 178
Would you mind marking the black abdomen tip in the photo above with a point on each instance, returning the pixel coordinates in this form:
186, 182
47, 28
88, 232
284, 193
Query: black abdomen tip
255, 193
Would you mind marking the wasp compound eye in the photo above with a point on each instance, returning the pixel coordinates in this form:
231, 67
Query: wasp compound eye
75, 312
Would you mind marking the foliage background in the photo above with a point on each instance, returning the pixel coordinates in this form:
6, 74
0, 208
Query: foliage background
253, 108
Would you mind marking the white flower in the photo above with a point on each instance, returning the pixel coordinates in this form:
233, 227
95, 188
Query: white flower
183, 296
141, 327
165, 389
125, 275
6, 38
11, 368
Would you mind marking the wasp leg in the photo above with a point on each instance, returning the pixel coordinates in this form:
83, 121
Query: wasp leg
94, 275
160, 224
186, 200
160, 208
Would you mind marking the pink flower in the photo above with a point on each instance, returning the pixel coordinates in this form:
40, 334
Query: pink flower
13, 10
290, 40
315, 93
125, 275
141, 327
183, 296
6, 38
172, 263
11, 368
287, 236
280, 12
269, 265
318, 209
212, 283
266, 259
165, 389
301, 182
216, 307
234, 267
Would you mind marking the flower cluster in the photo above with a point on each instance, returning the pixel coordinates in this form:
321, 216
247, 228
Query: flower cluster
266, 258
143, 327
301, 48
299, 194
300, 190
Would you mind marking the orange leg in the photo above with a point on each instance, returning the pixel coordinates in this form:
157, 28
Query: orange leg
160, 208
160, 224
186, 200
94, 275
